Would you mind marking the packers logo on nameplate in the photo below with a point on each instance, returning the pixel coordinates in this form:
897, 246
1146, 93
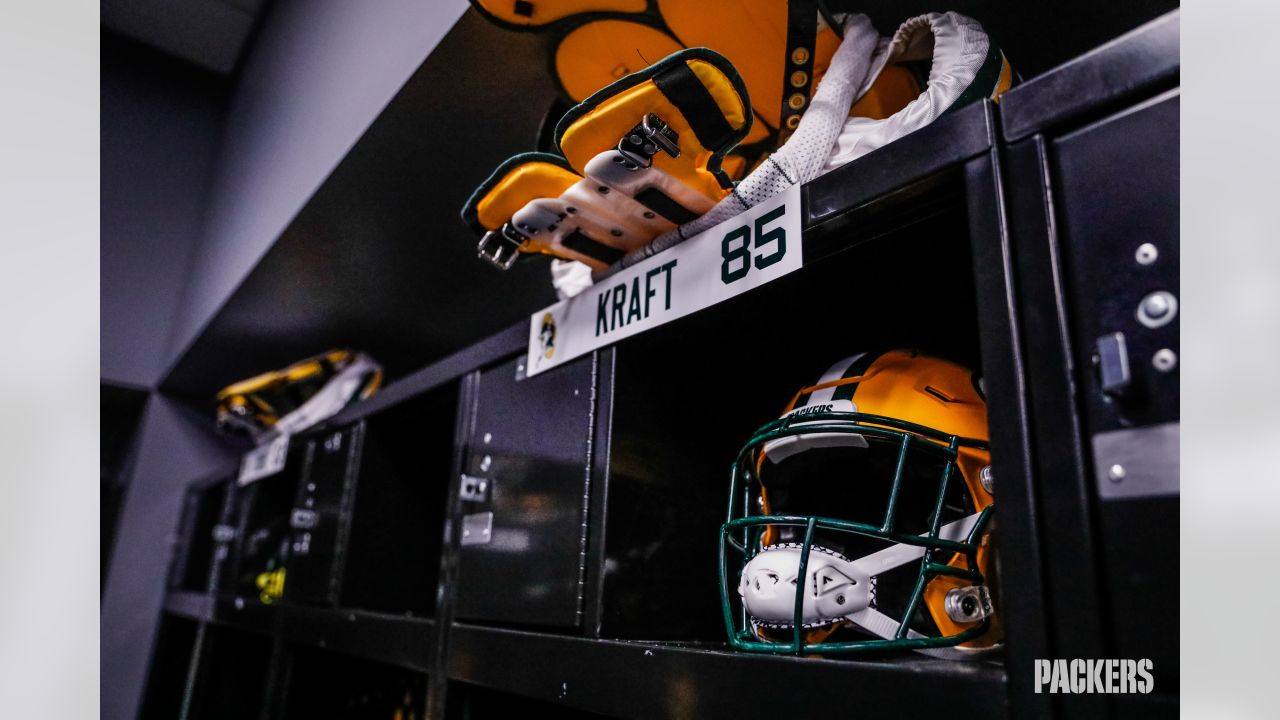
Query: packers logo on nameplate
741, 253
547, 336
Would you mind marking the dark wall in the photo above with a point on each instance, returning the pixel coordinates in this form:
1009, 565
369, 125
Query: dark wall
199, 177
201, 174
174, 449
1035, 36
160, 124
120, 411
315, 77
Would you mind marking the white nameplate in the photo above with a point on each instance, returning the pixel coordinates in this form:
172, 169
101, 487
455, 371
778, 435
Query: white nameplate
264, 460
741, 253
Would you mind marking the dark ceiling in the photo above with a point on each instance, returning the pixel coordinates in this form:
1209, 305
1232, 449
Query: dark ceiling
212, 34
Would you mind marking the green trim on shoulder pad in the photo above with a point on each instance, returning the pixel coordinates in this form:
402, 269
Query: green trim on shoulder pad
984, 82
469, 213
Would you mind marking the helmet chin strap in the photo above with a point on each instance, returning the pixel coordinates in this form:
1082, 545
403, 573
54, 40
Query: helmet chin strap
836, 588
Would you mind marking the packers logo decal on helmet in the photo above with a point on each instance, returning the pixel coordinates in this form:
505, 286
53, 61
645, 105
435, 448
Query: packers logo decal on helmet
860, 519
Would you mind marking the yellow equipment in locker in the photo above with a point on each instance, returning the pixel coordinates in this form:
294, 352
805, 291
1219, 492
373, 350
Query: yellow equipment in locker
639, 158
298, 396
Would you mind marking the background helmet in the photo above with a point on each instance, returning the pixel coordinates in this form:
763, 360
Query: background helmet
860, 519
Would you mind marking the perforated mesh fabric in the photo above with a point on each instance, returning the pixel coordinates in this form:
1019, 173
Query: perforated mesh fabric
956, 46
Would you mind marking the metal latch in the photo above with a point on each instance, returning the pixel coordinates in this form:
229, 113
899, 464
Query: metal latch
1139, 462
644, 141
474, 489
501, 247
477, 528
223, 533
303, 519
1113, 363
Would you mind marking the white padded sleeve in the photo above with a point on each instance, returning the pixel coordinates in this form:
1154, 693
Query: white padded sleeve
957, 46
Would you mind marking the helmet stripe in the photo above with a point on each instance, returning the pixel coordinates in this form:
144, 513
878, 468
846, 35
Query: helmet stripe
859, 367
846, 368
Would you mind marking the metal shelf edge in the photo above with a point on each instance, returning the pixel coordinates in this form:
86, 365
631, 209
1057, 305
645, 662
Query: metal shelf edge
1146, 57
505, 343
392, 639
650, 679
190, 605
948, 142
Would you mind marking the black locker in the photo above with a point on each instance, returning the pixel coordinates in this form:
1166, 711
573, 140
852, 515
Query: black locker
255, 533
523, 493
1090, 165
321, 519
203, 507
1119, 215
366, 521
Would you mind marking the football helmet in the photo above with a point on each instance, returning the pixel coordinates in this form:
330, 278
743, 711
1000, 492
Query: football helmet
860, 519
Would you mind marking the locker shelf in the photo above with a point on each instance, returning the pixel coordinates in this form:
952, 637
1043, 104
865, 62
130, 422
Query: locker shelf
1138, 62
322, 684
392, 639
644, 680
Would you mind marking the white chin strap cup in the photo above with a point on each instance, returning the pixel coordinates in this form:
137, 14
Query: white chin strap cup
835, 588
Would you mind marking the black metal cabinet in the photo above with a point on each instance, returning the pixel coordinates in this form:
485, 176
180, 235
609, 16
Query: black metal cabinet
321, 518
199, 531
1119, 226
523, 495
368, 514
1091, 184
1118, 216
254, 536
